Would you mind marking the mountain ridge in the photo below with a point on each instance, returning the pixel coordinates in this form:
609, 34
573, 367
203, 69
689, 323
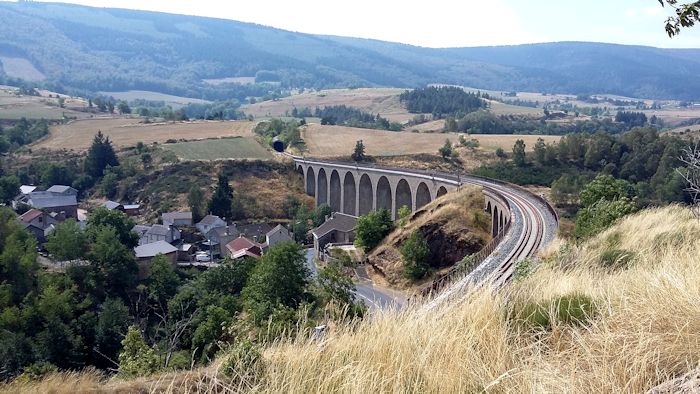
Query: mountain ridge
89, 49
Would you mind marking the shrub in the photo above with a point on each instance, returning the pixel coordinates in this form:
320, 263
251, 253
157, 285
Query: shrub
244, 362
570, 309
415, 254
617, 258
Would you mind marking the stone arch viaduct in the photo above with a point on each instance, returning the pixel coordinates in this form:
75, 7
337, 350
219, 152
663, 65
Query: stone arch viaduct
356, 190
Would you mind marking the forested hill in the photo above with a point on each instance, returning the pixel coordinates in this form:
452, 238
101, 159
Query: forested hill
92, 49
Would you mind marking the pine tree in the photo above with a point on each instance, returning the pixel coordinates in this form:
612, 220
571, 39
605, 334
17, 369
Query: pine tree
221, 200
359, 154
100, 155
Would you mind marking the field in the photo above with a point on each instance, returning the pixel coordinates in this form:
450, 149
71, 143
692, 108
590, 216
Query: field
333, 141
174, 101
241, 80
19, 67
126, 132
215, 149
14, 107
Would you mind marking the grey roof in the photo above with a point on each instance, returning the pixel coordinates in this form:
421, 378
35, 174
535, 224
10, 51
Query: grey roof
158, 229
112, 205
26, 189
210, 219
177, 215
339, 221
154, 249
141, 229
60, 189
132, 206
254, 229
221, 231
277, 228
50, 200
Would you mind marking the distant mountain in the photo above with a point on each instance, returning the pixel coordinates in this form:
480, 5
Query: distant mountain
94, 49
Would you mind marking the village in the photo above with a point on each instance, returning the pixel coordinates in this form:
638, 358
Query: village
184, 242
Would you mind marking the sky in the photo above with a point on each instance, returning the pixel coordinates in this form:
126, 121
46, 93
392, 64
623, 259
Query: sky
445, 23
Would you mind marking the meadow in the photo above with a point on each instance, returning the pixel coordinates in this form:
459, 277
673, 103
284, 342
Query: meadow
236, 148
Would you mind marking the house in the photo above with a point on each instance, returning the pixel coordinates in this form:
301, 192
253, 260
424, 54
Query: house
177, 219
156, 232
112, 205
146, 253
66, 204
209, 222
63, 190
221, 236
244, 247
132, 209
26, 189
338, 229
40, 224
255, 231
278, 235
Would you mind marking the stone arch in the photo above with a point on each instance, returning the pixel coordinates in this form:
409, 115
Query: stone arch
384, 196
349, 194
403, 197
488, 206
422, 195
335, 192
441, 191
322, 190
310, 182
494, 221
366, 195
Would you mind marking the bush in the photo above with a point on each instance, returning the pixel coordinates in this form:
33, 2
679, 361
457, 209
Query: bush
571, 309
617, 258
415, 254
372, 228
244, 362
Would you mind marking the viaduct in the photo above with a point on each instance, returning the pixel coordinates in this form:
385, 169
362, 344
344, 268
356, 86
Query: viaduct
358, 189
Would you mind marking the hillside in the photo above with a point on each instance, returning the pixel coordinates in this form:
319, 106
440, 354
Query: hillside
451, 225
79, 49
632, 322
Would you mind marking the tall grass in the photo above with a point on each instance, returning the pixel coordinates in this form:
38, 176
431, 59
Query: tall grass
643, 329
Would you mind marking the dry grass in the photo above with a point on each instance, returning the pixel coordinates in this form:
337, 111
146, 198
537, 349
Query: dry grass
646, 329
333, 141
126, 132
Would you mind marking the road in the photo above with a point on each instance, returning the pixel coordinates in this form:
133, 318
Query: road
374, 296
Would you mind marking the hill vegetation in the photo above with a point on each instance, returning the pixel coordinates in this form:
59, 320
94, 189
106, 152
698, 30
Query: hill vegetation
89, 50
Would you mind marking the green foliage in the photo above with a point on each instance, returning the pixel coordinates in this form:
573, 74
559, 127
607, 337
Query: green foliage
519, 153
287, 131
353, 117
109, 184
244, 361
279, 278
570, 309
111, 327
446, 150
605, 187
100, 156
195, 200
403, 213
113, 262
372, 228
319, 214
617, 258
9, 188
162, 281
221, 200
415, 253
595, 218
136, 358
441, 101
358, 153
335, 285
687, 14
67, 242
500, 153
118, 221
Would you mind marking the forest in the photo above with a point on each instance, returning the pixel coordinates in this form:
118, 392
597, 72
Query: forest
442, 101
353, 117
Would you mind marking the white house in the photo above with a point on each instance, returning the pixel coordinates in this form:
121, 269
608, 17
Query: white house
278, 235
210, 222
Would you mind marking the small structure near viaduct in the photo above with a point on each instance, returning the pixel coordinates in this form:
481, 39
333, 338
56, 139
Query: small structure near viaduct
357, 189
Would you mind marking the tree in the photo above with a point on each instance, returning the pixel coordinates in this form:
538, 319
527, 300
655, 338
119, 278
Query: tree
519, 153
372, 228
221, 200
320, 213
136, 358
403, 213
335, 285
113, 262
279, 278
112, 324
119, 221
146, 160
605, 187
67, 242
686, 16
195, 200
9, 187
109, 184
602, 214
446, 150
123, 107
415, 254
100, 155
540, 151
162, 281
358, 154
500, 153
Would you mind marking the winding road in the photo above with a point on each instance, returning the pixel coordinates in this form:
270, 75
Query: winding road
533, 225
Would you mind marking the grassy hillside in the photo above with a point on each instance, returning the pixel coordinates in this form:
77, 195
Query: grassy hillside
96, 49
632, 322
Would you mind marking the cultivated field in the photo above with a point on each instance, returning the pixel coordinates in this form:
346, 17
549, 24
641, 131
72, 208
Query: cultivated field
19, 67
13, 106
221, 81
215, 149
126, 132
175, 101
333, 141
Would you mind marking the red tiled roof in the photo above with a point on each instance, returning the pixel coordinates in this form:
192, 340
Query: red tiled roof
241, 243
30, 215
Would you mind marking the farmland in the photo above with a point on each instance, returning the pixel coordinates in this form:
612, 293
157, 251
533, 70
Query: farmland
236, 148
13, 106
174, 101
125, 132
333, 141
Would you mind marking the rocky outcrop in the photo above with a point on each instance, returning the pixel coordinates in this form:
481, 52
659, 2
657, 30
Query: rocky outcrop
686, 384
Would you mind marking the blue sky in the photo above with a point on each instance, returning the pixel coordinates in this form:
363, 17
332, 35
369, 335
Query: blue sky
445, 23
